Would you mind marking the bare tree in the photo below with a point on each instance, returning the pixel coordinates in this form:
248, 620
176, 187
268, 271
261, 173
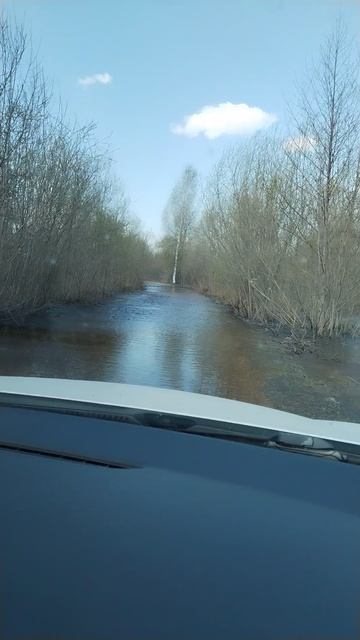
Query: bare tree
179, 215
280, 230
321, 187
64, 234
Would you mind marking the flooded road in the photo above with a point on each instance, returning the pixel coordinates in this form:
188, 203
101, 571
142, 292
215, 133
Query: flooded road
171, 337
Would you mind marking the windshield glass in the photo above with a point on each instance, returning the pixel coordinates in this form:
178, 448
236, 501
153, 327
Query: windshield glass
180, 197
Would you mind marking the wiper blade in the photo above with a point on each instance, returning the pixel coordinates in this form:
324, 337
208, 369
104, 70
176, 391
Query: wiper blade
307, 444
296, 443
247, 434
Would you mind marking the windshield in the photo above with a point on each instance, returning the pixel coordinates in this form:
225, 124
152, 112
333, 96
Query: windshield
180, 197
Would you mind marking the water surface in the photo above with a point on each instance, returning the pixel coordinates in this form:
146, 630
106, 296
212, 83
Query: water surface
172, 337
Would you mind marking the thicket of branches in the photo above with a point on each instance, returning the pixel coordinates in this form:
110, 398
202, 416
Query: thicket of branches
279, 235
64, 235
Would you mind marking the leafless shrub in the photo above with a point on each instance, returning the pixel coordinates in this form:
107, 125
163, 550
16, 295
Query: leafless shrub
63, 234
280, 229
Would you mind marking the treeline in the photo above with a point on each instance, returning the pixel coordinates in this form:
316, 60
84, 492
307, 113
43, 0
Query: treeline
279, 231
65, 233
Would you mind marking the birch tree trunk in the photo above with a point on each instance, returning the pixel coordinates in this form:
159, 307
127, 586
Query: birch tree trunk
179, 217
176, 260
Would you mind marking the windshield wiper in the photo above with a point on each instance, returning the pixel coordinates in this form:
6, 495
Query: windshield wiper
308, 444
286, 441
296, 443
272, 438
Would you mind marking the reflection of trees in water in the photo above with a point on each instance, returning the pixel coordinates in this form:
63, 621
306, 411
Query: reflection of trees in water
197, 346
69, 354
191, 344
230, 363
184, 341
218, 358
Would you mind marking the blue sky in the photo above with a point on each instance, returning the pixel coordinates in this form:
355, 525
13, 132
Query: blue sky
168, 59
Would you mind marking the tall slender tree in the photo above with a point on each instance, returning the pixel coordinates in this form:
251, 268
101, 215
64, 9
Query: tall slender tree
179, 216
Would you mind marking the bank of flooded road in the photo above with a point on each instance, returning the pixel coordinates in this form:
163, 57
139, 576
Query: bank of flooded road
172, 337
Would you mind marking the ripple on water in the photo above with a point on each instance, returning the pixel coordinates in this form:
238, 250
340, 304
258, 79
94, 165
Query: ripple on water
172, 337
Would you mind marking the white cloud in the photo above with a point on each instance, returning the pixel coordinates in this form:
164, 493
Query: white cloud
225, 118
299, 143
96, 78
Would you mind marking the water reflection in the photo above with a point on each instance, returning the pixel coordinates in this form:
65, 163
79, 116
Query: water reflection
62, 354
176, 338
232, 363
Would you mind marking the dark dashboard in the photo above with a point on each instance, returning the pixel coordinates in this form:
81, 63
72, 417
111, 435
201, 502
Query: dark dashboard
113, 529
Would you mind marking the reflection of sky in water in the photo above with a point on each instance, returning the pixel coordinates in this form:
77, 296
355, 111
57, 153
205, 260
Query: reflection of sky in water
168, 337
